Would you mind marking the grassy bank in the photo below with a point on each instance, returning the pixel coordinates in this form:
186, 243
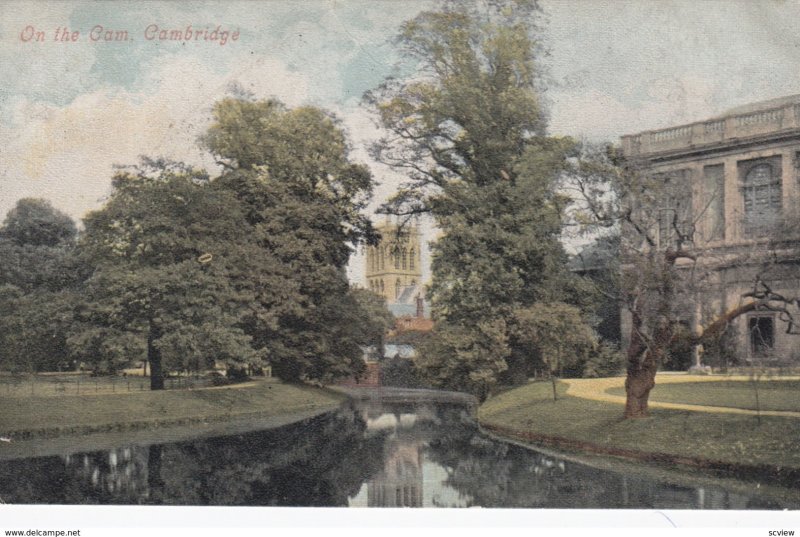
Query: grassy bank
82, 383
764, 394
671, 435
32, 416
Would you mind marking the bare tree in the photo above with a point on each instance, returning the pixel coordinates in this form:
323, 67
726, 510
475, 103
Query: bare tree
663, 272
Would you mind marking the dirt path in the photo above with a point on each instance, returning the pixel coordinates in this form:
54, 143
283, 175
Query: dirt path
595, 390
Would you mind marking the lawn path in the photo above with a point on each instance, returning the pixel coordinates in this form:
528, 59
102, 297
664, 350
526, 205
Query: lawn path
595, 390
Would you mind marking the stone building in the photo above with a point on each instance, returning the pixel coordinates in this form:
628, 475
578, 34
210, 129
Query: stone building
394, 265
734, 182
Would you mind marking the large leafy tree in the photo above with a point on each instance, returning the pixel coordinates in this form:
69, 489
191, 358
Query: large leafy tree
303, 199
35, 222
38, 274
176, 280
468, 129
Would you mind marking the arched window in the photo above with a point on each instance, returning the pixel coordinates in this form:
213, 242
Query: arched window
411, 259
382, 289
404, 254
396, 255
383, 264
397, 289
762, 197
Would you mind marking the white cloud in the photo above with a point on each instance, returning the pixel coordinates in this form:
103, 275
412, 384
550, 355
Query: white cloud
66, 153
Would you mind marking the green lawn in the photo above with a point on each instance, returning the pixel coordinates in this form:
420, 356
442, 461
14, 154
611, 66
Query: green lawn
722, 437
772, 394
75, 383
50, 414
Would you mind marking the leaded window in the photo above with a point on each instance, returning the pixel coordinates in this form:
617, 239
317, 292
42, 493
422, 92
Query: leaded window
762, 198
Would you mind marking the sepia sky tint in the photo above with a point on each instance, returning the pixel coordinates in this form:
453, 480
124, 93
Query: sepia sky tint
69, 111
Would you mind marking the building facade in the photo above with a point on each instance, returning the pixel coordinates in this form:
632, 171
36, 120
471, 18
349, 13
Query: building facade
734, 182
394, 265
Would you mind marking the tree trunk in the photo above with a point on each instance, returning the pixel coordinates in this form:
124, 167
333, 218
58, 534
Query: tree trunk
651, 314
643, 364
154, 358
638, 384
553, 375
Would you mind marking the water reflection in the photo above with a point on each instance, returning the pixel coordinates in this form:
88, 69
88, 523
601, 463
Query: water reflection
367, 454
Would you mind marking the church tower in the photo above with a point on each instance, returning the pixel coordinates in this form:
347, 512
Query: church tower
394, 265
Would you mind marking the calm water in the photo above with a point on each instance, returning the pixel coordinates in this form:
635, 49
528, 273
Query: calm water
373, 454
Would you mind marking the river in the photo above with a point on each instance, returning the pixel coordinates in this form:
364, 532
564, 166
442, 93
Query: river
402, 451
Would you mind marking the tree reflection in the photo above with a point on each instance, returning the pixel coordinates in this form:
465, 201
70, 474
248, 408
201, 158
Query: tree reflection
498, 474
409, 455
320, 462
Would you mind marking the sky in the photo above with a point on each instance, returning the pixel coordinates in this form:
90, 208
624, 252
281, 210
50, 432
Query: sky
70, 111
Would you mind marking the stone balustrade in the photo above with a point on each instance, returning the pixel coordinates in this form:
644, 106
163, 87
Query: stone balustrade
728, 128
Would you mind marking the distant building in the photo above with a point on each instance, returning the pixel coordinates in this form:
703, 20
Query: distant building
405, 322
395, 265
394, 271
734, 178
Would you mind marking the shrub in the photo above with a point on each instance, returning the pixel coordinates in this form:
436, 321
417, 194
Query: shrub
605, 360
400, 372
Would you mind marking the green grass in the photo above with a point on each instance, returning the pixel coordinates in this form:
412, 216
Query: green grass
49, 414
772, 394
77, 383
721, 437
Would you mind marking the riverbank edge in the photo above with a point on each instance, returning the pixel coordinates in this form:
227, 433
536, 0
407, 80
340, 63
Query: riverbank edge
784, 476
295, 415
104, 441
681, 476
